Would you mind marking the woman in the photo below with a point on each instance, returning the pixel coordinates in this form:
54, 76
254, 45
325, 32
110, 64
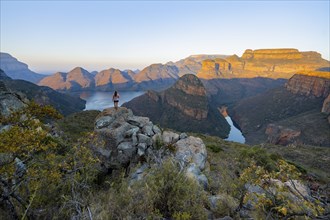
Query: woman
115, 99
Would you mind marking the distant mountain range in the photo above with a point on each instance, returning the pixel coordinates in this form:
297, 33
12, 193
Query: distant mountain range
14, 93
18, 70
269, 63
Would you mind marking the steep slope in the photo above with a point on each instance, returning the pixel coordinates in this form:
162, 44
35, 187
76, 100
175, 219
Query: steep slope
229, 91
271, 63
114, 79
156, 76
287, 114
183, 107
76, 79
64, 103
18, 70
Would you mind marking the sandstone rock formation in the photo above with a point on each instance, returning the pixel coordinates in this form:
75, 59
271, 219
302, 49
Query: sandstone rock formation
129, 139
183, 107
309, 85
18, 70
272, 63
286, 114
281, 135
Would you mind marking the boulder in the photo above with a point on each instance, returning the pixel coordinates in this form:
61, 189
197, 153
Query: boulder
191, 150
169, 137
138, 121
148, 129
194, 172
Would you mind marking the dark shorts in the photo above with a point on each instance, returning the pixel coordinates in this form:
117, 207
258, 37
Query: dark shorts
116, 101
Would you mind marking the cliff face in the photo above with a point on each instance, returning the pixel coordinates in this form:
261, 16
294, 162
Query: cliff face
272, 63
309, 85
183, 107
18, 70
288, 114
184, 94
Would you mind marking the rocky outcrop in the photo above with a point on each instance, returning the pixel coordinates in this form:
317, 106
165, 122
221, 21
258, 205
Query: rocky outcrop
129, 139
278, 54
217, 68
309, 85
271, 63
182, 94
9, 101
183, 107
281, 135
18, 70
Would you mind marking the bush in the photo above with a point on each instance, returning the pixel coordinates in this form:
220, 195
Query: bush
164, 193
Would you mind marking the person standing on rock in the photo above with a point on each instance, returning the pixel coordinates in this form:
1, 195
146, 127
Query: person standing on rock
115, 99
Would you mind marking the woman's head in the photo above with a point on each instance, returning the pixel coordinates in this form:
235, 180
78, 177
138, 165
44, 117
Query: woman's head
115, 94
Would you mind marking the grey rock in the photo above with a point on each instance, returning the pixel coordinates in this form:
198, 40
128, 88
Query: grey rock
170, 137
139, 173
125, 146
145, 139
141, 148
5, 128
147, 130
138, 121
193, 150
134, 139
131, 131
103, 122
194, 172
156, 129
183, 136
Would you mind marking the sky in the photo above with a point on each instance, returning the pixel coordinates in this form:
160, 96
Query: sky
53, 36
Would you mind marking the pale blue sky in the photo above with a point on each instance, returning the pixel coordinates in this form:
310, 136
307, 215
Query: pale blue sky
59, 35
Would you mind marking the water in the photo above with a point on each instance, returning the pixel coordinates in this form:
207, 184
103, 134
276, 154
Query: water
102, 100
234, 134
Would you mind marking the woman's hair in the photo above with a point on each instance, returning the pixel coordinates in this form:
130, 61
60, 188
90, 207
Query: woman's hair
115, 94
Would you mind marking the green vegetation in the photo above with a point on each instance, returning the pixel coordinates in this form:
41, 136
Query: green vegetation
48, 177
164, 193
77, 124
39, 175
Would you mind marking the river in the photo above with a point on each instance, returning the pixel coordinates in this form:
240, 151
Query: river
102, 100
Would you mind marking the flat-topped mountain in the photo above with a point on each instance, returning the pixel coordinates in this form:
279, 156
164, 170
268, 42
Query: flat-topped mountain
183, 107
76, 79
271, 63
18, 70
